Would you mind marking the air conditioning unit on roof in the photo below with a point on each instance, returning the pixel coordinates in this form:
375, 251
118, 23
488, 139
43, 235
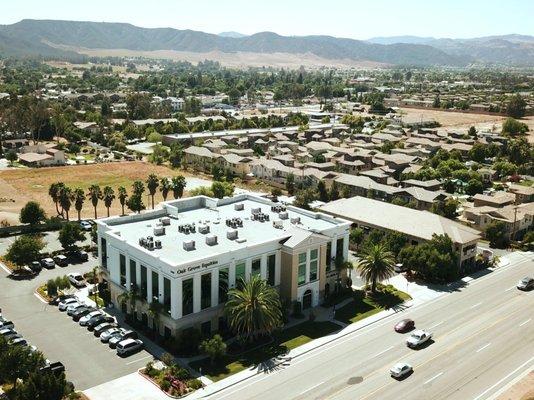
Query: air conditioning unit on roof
239, 206
283, 215
231, 234
189, 245
211, 240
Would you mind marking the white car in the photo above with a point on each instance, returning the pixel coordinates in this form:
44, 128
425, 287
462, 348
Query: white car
86, 226
417, 338
48, 263
67, 302
85, 319
400, 370
129, 346
71, 308
106, 335
77, 279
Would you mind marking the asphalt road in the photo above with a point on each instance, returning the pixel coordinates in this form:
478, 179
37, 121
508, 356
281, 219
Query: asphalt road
483, 338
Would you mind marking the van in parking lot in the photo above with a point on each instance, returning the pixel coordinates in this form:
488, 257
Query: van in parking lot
61, 260
129, 346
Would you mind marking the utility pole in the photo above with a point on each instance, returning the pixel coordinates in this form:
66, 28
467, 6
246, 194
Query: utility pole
514, 229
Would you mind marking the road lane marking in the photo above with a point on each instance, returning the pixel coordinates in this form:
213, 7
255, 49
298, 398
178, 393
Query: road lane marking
483, 347
510, 288
434, 377
139, 359
526, 322
313, 387
475, 305
383, 351
502, 380
436, 325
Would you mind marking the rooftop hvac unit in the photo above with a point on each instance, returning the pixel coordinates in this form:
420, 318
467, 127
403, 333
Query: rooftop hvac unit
283, 215
278, 224
239, 207
295, 220
204, 228
231, 234
150, 245
211, 240
241, 240
256, 210
165, 221
189, 245
157, 244
159, 230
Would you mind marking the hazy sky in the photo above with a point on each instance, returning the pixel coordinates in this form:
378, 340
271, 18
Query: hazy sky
358, 19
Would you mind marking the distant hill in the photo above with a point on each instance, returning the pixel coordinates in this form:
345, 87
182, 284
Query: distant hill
232, 34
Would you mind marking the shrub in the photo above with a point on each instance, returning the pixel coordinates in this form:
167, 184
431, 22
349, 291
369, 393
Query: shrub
165, 385
167, 359
51, 287
194, 384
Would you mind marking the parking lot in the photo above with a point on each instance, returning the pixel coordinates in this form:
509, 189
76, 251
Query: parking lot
88, 362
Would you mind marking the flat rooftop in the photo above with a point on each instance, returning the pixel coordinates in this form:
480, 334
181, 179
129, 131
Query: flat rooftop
202, 210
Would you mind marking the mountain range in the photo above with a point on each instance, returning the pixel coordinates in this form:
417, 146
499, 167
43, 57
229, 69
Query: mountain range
67, 39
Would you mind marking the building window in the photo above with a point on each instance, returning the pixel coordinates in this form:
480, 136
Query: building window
256, 267
133, 274
328, 256
205, 291
187, 296
122, 261
155, 286
314, 262
339, 248
104, 249
271, 269
240, 273
167, 294
302, 269
224, 281
144, 293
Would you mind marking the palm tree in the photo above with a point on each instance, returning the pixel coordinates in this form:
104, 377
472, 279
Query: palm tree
130, 297
138, 187
178, 184
79, 198
65, 199
53, 192
108, 195
94, 194
152, 184
376, 264
165, 188
154, 312
123, 195
341, 265
254, 308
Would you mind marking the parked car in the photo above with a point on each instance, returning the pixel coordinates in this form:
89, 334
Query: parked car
8, 333
86, 225
85, 319
400, 370
125, 334
129, 346
61, 260
55, 367
77, 279
7, 324
526, 283
78, 255
71, 308
67, 302
58, 299
81, 312
399, 268
97, 320
109, 333
20, 341
35, 266
417, 338
104, 326
48, 263
405, 325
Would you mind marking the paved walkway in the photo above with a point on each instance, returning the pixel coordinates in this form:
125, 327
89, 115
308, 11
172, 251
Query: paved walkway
129, 387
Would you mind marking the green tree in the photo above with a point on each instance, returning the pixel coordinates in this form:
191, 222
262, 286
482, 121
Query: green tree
473, 187
138, 188
94, 194
79, 198
65, 199
18, 362
253, 309
123, 195
176, 154
69, 235
165, 187
516, 107
24, 250
376, 264
11, 156
32, 213
478, 152
304, 197
53, 192
496, 234
108, 195
152, 184
513, 127
356, 236
178, 184
43, 386
215, 348
222, 189
135, 203
323, 193
290, 184
447, 208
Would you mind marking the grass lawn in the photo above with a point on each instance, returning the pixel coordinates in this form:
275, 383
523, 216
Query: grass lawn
362, 307
283, 341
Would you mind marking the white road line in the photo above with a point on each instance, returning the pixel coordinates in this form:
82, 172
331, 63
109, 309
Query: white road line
510, 288
502, 380
434, 377
475, 305
139, 359
436, 325
313, 387
526, 322
5, 268
483, 347
383, 351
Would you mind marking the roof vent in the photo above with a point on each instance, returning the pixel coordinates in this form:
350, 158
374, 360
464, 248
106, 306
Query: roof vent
159, 230
241, 240
239, 207
256, 210
231, 234
165, 221
157, 244
189, 245
295, 220
211, 240
283, 215
278, 224
204, 228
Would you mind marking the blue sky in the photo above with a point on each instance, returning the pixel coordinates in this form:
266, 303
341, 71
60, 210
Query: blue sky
344, 18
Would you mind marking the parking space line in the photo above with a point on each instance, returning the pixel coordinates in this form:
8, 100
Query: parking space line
483, 347
139, 359
510, 288
436, 325
475, 305
525, 322
434, 377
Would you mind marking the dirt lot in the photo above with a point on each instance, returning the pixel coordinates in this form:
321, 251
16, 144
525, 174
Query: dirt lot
452, 119
522, 390
17, 186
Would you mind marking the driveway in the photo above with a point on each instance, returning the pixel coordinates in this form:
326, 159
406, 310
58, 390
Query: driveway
88, 362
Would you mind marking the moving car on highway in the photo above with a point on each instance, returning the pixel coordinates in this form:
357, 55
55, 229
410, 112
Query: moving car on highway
400, 370
526, 283
417, 338
405, 325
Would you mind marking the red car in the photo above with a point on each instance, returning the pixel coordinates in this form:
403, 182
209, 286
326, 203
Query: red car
405, 325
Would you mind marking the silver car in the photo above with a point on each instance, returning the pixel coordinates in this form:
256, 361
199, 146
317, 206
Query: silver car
85, 319
107, 335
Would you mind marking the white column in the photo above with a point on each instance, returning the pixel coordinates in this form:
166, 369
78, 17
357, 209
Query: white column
161, 287
231, 274
149, 293
278, 268
214, 287
128, 275
333, 251
196, 293
346, 247
307, 265
263, 266
138, 275
176, 298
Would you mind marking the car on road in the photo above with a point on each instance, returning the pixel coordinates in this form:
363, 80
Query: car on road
128, 347
86, 225
71, 308
109, 333
61, 260
417, 338
35, 266
125, 334
404, 325
81, 312
99, 319
48, 263
526, 283
85, 319
7, 324
77, 279
62, 306
400, 370
104, 326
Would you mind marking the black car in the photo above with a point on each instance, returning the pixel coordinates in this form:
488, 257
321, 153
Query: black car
99, 319
103, 327
35, 266
55, 367
78, 256
58, 299
80, 312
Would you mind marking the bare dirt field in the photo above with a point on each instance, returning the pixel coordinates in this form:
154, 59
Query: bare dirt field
456, 120
18, 186
522, 390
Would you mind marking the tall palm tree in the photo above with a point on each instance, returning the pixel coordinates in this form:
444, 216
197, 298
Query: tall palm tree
254, 308
79, 198
65, 199
53, 192
138, 187
154, 312
123, 195
108, 195
130, 297
152, 184
94, 194
165, 188
178, 184
376, 264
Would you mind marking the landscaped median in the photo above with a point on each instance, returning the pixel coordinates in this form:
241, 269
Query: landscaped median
173, 380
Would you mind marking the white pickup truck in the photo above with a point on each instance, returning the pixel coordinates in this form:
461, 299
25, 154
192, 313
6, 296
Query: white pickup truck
417, 338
